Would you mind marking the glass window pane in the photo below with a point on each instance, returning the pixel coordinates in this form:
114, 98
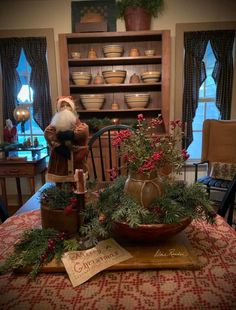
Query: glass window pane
35, 128
199, 116
25, 97
206, 108
210, 87
201, 91
212, 111
26, 94
195, 147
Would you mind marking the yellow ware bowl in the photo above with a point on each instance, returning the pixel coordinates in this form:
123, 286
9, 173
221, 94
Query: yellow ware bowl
75, 55
114, 77
81, 81
136, 105
149, 52
92, 101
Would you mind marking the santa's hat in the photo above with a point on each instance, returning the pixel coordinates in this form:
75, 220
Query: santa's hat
67, 99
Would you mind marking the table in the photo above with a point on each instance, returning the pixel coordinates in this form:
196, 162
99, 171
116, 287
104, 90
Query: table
35, 151
21, 168
211, 287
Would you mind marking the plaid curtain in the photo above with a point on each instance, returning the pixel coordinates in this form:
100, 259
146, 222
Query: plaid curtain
222, 44
35, 52
195, 44
194, 73
10, 49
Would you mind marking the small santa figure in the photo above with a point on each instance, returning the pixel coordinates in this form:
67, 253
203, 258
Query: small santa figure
9, 132
67, 138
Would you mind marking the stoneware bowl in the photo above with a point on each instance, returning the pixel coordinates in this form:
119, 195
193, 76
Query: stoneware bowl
149, 233
75, 55
149, 52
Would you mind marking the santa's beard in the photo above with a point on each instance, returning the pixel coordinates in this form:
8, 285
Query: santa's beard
64, 120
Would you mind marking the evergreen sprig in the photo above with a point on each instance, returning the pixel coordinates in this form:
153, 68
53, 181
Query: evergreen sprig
36, 248
56, 198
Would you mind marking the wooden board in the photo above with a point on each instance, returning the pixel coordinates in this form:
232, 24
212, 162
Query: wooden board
175, 253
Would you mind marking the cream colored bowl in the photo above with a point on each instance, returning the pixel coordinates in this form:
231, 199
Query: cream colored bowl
112, 54
137, 101
113, 50
137, 105
149, 52
81, 81
92, 105
92, 96
75, 55
93, 101
81, 78
151, 76
114, 76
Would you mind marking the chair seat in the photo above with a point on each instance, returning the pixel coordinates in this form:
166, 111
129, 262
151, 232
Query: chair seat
211, 182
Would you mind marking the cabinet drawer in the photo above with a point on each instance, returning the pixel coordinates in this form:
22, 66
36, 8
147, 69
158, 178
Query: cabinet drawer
8, 171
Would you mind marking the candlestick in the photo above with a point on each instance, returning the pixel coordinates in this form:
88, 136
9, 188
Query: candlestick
80, 180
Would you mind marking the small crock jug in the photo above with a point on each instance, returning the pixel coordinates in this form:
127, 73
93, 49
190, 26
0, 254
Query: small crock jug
92, 53
134, 52
134, 78
98, 79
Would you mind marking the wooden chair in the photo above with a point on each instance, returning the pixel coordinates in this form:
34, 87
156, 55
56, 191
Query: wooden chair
219, 153
3, 212
227, 204
102, 157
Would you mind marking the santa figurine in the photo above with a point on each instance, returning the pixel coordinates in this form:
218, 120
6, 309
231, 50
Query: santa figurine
67, 138
9, 132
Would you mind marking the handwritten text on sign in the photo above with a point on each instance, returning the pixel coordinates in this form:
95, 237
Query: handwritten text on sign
82, 265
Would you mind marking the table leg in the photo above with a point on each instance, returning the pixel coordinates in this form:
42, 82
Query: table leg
19, 193
43, 180
4, 191
32, 185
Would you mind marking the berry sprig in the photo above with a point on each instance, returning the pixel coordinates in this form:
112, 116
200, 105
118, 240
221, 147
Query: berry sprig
51, 247
73, 203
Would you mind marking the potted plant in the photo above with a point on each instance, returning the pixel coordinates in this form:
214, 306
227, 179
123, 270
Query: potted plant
137, 13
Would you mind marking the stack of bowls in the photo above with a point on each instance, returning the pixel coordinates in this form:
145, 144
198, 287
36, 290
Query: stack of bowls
151, 76
81, 78
92, 101
114, 76
137, 101
113, 50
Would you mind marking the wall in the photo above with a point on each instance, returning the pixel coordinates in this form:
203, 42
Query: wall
56, 14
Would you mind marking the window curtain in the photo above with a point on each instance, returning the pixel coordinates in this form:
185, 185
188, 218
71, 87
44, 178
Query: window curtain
10, 49
194, 73
222, 44
195, 44
35, 52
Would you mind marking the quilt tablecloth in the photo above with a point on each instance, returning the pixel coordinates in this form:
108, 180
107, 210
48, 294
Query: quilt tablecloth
211, 287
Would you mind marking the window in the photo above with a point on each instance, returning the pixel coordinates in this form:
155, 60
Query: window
206, 105
179, 110
52, 94
30, 130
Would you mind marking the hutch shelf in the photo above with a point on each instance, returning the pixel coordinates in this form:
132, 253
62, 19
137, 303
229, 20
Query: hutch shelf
114, 93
